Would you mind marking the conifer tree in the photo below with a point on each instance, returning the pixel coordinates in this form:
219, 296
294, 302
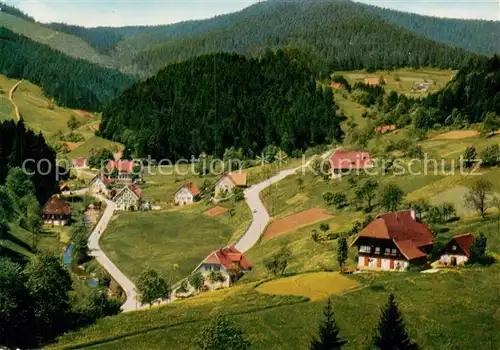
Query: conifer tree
328, 332
391, 334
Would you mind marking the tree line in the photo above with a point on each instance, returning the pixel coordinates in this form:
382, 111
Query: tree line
213, 102
71, 82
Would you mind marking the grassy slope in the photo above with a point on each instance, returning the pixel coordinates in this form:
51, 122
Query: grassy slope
408, 78
34, 108
6, 108
68, 44
434, 307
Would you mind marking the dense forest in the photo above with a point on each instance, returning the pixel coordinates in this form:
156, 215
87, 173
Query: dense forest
72, 82
474, 35
213, 102
341, 35
18, 144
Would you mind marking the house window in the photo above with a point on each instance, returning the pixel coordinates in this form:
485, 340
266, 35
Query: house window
364, 249
387, 251
216, 268
454, 247
377, 250
394, 252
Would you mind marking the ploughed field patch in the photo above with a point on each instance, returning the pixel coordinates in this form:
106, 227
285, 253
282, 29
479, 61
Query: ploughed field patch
295, 221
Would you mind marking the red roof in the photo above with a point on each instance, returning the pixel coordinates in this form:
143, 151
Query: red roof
80, 162
57, 206
385, 128
123, 166
407, 233
464, 241
191, 187
227, 257
335, 85
350, 160
137, 191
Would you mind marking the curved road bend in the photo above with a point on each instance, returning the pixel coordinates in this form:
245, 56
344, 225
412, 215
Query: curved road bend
260, 216
11, 98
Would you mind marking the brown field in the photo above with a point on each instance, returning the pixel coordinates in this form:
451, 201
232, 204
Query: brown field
295, 221
83, 113
71, 145
216, 211
456, 135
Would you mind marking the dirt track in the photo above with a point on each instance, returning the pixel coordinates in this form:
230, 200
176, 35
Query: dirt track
11, 99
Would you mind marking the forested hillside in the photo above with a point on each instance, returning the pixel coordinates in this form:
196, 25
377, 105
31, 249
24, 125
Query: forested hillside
72, 82
474, 35
18, 144
342, 35
212, 102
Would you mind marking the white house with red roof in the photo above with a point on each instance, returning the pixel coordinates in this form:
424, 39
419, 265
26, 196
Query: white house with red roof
80, 163
342, 162
393, 241
227, 182
457, 250
188, 193
229, 261
128, 198
125, 169
100, 184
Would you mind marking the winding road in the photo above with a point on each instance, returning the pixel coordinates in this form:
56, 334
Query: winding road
260, 219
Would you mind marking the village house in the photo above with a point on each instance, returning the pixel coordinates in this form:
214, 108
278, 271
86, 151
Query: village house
80, 163
372, 81
188, 193
385, 128
457, 250
125, 170
393, 241
128, 198
100, 184
229, 181
343, 162
230, 262
336, 86
56, 212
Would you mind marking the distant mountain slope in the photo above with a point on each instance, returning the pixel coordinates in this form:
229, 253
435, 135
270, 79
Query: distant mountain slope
339, 34
68, 44
474, 35
72, 82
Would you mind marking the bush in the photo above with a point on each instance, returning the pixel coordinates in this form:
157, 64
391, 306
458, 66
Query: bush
333, 236
324, 227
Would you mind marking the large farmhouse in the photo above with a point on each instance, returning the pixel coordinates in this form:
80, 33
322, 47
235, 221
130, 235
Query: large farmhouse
56, 212
124, 168
229, 181
80, 163
187, 194
128, 198
229, 261
393, 241
344, 162
457, 250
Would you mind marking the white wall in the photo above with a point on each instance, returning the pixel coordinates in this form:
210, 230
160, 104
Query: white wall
446, 259
385, 264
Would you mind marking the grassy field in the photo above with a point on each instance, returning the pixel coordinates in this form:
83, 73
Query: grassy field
6, 108
173, 243
315, 286
403, 80
41, 115
438, 310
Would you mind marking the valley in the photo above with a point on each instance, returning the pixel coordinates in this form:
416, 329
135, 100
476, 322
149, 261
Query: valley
300, 174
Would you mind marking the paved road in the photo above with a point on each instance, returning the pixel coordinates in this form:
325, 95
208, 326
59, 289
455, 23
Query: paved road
260, 216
